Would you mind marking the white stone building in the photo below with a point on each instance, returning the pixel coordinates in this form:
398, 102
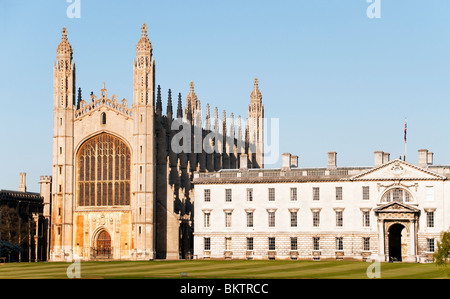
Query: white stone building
394, 211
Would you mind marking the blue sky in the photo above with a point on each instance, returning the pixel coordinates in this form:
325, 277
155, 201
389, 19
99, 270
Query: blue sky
337, 80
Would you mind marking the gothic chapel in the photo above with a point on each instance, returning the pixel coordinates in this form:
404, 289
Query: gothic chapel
119, 190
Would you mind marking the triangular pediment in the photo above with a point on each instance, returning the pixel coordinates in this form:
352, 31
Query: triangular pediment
396, 207
398, 170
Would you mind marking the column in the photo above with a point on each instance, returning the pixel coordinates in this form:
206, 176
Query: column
412, 241
381, 247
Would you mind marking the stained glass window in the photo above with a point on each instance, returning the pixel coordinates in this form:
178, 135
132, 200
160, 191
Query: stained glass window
103, 172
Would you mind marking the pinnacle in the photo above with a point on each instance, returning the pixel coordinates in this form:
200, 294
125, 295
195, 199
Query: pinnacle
144, 30
64, 33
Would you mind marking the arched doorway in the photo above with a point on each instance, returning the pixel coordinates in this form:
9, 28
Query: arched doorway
397, 242
103, 245
397, 231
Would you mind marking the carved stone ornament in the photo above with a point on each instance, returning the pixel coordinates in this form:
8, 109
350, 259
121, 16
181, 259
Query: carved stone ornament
397, 169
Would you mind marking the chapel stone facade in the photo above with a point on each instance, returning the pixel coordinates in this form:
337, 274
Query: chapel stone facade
120, 190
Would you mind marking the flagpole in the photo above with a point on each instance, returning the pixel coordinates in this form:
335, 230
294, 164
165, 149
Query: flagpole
406, 144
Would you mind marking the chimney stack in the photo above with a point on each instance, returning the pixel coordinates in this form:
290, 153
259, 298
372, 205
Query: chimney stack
286, 161
243, 161
430, 158
294, 161
423, 158
379, 155
332, 163
386, 157
23, 183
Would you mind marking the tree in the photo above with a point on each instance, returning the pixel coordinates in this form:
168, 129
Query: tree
442, 255
13, 229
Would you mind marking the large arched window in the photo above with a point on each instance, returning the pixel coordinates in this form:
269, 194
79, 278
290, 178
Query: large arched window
397, 194
103, 172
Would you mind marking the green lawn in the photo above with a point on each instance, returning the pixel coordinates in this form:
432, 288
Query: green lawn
222, 269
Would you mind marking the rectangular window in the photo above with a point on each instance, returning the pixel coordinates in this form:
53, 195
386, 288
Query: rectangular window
293, 194
430, 219
430, 245
249, 194
294, 243
293, 218
366, 244
397, 195
250, 243
271, 243
316, 194
227, 219
365, 191
207, 243
271, 194
206, 219
316, 218
430, 193
228, 243
339, 243
366, 218
316, 243
338, 193
339, 219
228, 195
249, 219
271, 216
207, 195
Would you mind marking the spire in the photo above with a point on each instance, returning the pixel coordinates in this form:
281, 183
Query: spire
169, 106
192, 97
256, 94
144, 72
79, 98
179, 108
158, 102
224, 123
64, 33
232, 126
64, 74
64, 49
216, 120
240, 147
207, 119
144, 30
192, 102
144, 47
188, 112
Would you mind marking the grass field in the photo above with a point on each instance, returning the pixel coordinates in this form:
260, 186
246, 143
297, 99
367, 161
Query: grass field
221, 269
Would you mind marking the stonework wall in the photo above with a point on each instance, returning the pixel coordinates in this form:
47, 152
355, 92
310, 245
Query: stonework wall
394, 193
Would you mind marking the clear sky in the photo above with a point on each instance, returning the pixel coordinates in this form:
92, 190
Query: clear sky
336, 79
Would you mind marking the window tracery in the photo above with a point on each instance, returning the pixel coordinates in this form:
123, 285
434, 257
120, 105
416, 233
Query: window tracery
103, 172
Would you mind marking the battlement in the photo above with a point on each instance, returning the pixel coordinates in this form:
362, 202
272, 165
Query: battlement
45, 179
